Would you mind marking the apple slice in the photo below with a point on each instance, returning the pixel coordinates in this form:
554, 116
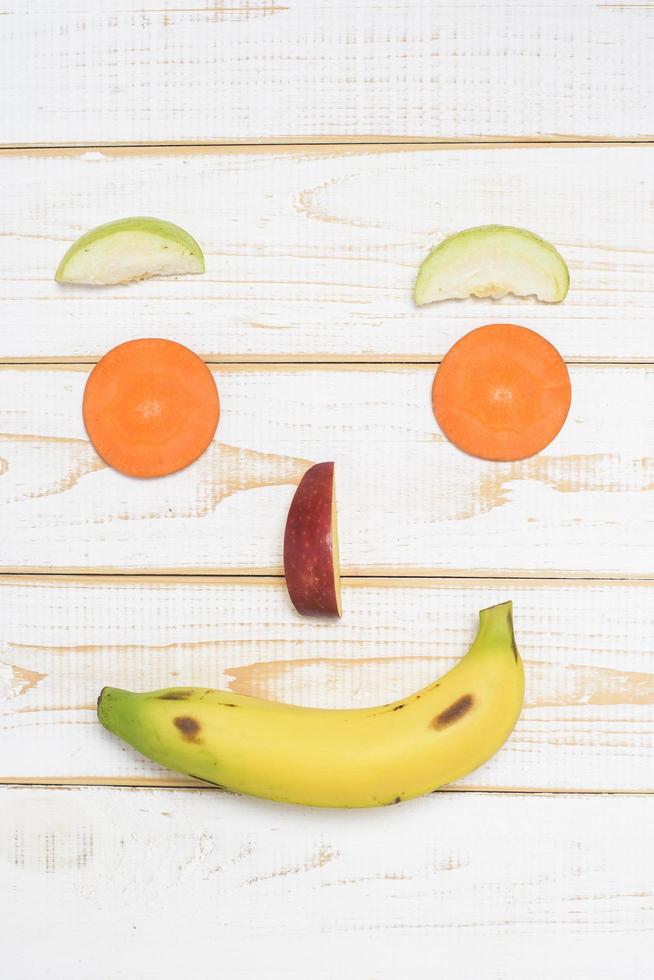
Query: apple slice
129, 249
311, 561
491, 261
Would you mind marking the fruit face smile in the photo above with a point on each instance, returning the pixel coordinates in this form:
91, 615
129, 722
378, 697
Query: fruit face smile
360, 757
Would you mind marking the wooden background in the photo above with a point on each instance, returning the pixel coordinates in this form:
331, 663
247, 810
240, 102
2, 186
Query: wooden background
317, 151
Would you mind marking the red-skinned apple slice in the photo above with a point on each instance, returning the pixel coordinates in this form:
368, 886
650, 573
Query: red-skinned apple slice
311, 562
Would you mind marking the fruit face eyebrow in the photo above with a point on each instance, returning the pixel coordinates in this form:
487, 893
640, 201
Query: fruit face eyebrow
175, 696
188, 727
455, 711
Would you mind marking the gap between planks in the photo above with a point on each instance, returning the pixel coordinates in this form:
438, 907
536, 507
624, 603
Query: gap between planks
160, 782
454, 581
371, 576
299, 360
360, 142
294, 362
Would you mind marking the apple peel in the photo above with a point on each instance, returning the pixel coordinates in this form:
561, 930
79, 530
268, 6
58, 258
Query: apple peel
311, 552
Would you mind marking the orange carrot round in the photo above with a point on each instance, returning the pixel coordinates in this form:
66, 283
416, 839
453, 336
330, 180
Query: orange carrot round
502, 392
150, 407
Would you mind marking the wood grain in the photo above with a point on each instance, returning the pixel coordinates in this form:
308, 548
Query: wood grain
235, 70
587, 724
409, 502
477, 882
312, 254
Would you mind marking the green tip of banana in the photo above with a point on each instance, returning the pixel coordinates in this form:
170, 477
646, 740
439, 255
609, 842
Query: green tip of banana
361, 757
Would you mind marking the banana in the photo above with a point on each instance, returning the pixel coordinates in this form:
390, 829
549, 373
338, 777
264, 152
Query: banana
335, 758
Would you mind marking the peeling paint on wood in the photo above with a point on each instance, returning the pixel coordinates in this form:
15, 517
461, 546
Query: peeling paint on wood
15, 680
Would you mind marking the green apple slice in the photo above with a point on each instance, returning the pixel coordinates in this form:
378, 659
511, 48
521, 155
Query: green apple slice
491, 261
129, 249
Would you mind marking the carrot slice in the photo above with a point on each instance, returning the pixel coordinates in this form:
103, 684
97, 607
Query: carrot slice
150, 407
502, 392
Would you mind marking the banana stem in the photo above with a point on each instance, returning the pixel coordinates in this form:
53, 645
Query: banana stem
496, 627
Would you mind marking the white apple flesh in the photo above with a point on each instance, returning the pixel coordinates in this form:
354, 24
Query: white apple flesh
311, 558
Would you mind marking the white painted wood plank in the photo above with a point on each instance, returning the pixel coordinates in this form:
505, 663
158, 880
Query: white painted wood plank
587, 724
181, 70
157, 884
409, 502
313, 254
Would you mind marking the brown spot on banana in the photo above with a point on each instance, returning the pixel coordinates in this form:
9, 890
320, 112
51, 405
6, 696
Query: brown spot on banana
189, 728
176, 695
454, 713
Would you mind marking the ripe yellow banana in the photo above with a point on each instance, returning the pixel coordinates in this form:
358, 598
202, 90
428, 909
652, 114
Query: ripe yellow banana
335, 758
